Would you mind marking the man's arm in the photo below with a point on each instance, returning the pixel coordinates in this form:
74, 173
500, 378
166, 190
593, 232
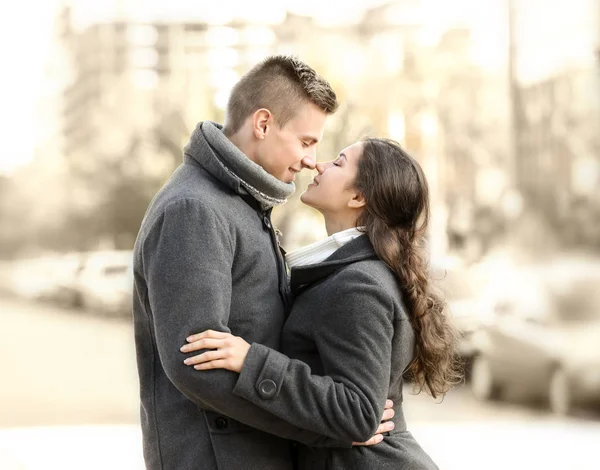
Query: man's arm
187, 260
354, 340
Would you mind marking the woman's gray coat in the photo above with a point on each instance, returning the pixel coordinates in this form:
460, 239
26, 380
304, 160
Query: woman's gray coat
345, 346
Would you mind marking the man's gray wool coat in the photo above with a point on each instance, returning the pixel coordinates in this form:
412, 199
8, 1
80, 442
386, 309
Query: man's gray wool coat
206, 257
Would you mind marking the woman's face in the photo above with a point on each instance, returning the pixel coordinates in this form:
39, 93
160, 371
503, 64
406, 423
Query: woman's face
332, 190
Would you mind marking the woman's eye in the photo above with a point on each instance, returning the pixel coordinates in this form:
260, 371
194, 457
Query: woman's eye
336, 163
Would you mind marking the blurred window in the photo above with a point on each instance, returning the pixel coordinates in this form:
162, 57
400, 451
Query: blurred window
222, 36
223, 78
145, 79
257, 36
143, 35
145, 57
223, 57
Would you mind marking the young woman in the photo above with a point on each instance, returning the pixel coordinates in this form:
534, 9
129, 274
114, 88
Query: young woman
363, 315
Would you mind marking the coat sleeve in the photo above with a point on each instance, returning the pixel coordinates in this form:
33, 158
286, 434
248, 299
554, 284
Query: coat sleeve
354, 342
187, 259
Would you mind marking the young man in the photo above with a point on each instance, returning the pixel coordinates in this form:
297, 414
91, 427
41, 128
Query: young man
207, 257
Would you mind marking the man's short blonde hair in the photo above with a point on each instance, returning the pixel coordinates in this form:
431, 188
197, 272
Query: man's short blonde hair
280, 84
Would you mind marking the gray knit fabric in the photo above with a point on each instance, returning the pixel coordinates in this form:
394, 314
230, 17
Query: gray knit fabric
262, 186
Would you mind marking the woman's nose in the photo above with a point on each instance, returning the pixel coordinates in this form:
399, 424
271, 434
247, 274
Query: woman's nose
320, 167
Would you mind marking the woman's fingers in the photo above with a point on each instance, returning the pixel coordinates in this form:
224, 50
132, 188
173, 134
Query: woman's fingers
205, 357
206, 343
218, 364
221, 351
207, 334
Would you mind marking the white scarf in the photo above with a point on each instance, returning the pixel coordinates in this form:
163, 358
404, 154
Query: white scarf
322, 249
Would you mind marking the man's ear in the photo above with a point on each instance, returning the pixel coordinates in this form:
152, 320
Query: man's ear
262, 120
357, 201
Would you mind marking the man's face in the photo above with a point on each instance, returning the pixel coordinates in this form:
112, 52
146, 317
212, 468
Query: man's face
285, 151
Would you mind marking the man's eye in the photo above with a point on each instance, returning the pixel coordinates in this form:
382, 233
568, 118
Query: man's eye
305, 144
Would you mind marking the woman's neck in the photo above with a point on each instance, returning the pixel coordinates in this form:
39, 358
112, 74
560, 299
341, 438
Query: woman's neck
335, 225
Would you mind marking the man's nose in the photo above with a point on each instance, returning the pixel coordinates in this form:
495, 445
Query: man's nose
308, 162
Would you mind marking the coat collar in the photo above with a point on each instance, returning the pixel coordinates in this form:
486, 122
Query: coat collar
199, 151
359, 249
210, 148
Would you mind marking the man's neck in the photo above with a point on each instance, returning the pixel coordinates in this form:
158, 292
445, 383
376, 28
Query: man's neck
240, 142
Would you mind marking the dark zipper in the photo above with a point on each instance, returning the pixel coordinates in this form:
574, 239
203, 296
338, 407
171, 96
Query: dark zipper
284, 288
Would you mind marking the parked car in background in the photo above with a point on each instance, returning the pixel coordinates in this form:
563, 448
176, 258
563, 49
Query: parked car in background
66, 280
463, 290
33, 278
105, 282
98, 281
544, 338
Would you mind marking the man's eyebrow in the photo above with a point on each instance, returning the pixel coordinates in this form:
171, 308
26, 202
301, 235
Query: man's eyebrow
310, 138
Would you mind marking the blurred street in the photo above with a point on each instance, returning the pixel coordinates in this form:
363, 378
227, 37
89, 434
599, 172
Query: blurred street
74, 374
62, 367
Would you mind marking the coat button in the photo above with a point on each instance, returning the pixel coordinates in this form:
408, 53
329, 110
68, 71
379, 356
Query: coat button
221, 423
267, 388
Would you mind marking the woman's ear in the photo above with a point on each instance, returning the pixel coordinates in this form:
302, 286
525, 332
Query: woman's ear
357, 201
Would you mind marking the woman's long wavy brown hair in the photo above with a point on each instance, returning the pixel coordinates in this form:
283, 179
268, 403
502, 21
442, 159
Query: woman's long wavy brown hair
395, 220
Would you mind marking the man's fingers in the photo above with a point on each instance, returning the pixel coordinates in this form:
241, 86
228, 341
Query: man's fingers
207, 343
376, 439
389, 404
207, 334
387, 414
385, 427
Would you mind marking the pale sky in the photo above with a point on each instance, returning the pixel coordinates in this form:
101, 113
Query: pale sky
25, 28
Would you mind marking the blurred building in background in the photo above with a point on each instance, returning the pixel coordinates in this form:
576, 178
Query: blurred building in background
558, 111
500, 108
126, 93
149, 69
